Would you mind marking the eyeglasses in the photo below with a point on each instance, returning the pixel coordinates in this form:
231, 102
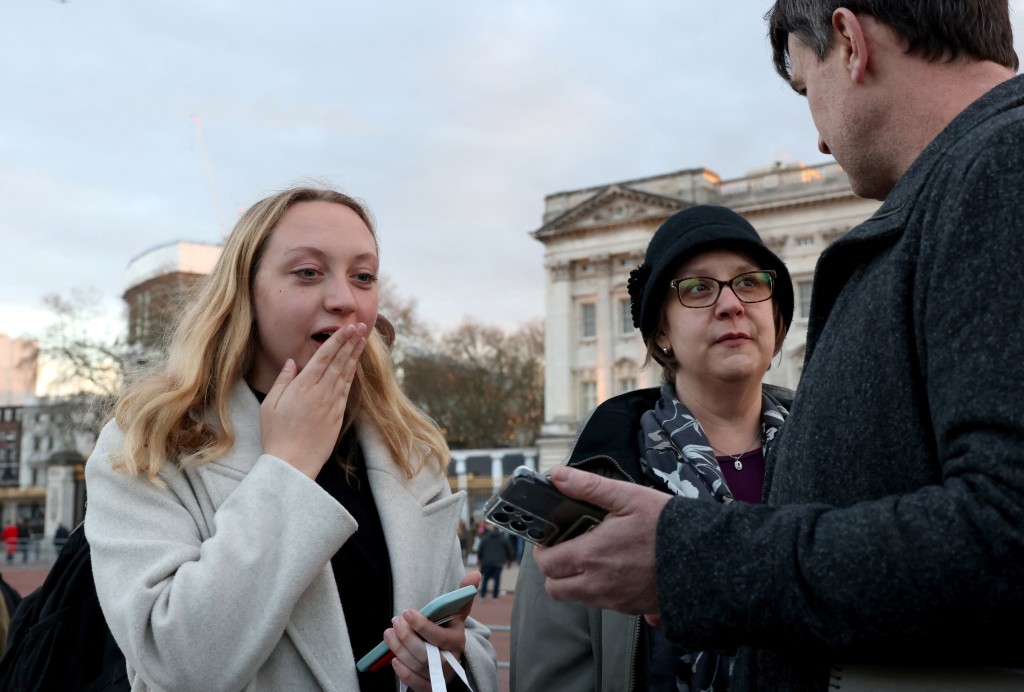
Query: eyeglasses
703, 291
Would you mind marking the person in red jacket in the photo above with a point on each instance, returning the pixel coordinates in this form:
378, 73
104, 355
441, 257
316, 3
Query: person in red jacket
10, 537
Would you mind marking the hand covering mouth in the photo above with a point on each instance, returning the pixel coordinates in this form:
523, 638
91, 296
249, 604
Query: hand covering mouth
321, 337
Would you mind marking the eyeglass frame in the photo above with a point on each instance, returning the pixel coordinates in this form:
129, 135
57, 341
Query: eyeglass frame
674, 285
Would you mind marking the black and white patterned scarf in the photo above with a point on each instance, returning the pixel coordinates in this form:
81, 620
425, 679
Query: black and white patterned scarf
677, 458
675, 453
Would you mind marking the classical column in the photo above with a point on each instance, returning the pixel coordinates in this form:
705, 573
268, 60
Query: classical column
605, 325
497, 472
530, 458
463, 482
60, 499
560, 321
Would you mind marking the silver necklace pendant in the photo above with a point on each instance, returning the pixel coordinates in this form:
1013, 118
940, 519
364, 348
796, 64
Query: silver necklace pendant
736, 463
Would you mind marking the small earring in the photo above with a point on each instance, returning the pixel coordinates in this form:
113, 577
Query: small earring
667, 350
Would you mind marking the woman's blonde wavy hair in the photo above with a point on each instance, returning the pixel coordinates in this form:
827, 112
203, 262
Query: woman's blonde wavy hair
164, 412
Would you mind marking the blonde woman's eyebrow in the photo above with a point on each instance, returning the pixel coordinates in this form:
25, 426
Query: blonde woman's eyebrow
321, 255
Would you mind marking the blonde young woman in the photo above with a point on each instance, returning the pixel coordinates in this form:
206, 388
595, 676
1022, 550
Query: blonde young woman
713, 305
267, 505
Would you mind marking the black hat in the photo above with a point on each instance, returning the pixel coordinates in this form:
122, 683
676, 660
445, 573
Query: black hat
686, 233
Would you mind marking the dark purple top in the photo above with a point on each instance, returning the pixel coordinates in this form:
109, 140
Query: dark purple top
746, 484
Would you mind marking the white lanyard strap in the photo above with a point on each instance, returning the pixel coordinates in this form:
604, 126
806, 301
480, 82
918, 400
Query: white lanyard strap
437, 681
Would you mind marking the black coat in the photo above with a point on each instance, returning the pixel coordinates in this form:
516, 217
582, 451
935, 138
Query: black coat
494, 548
897, 531
59, 639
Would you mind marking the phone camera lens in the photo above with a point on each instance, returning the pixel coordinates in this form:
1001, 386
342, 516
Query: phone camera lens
518, 525
500, 517
535, 534
508, 508
526, 517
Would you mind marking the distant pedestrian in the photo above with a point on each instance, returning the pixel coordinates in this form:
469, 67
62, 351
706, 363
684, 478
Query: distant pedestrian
23, 538
10, 539
465, 539
518, 547
60, 537
495, 553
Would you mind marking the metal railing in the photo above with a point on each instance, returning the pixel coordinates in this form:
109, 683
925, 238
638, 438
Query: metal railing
35, 551
500, 628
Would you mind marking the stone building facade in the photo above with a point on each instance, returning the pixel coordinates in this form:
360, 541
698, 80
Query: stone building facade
44, 442
595, 236
18, 370
58, 434
157, 279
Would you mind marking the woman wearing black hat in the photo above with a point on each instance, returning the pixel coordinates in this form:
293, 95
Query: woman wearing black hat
713, 305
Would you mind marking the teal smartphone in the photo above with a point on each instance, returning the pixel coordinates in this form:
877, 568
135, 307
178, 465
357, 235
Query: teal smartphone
439, 611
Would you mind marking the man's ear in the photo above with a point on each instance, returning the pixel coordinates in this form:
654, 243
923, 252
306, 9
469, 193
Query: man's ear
851, 41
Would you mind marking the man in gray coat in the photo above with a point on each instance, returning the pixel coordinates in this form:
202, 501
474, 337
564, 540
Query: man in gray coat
892, 540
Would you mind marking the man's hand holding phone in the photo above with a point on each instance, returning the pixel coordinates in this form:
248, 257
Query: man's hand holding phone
529, 505
613, 566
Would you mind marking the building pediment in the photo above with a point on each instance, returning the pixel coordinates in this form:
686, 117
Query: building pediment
612, 206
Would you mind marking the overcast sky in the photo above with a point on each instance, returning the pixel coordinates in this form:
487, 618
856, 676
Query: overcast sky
451, 119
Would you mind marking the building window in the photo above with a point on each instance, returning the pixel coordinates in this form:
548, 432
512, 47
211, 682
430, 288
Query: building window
588, 317
625, 316
588, 396
804, 289
626, 384
805, 241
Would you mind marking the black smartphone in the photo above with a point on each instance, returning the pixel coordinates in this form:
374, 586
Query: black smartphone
529, 505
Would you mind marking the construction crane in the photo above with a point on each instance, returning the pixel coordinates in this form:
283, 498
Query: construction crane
211, 180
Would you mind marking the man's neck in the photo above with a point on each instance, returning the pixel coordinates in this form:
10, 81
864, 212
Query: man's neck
932, 95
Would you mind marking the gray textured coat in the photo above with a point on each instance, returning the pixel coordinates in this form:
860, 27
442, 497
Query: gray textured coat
898, 530
220, 579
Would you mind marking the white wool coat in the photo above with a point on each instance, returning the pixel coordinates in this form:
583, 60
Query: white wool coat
220, 577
